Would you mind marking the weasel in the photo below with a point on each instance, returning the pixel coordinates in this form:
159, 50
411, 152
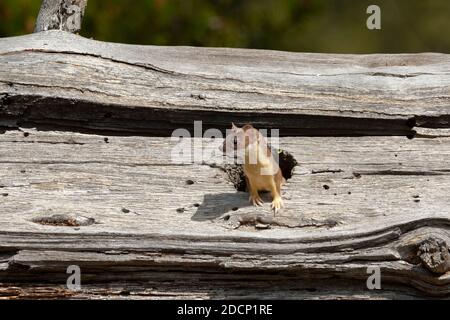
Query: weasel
262, 172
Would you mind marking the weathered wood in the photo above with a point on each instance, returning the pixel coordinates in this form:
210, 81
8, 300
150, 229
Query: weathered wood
385, 199
198, 286
65, 80
112, 201
65, 15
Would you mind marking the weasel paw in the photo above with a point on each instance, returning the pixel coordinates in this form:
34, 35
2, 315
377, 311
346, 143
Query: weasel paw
277, 204
256, 201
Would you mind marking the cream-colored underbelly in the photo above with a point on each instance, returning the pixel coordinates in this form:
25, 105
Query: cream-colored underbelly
258, 181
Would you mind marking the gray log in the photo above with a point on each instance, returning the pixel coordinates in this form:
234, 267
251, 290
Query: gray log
84, 180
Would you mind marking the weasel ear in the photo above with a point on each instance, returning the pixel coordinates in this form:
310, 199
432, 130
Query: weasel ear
233, 126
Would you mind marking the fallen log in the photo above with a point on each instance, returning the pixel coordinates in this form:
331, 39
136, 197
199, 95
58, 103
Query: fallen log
88, 176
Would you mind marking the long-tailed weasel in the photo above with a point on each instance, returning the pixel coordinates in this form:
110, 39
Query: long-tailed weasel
262, 172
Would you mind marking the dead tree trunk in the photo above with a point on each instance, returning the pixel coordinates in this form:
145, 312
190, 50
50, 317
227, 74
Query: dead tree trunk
65, 15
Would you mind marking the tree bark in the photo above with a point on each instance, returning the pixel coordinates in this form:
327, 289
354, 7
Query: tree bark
65, 15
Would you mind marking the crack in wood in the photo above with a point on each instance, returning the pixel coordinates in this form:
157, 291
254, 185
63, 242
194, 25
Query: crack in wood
133, 64
35, 111
81, 90
64, 220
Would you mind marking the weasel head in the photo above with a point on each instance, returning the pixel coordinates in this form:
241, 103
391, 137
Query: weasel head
239, 139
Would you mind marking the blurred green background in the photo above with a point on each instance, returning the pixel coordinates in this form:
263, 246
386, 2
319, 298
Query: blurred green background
293, 25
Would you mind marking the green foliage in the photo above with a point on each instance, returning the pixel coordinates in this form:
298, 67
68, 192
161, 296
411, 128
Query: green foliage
17, 16
293, 25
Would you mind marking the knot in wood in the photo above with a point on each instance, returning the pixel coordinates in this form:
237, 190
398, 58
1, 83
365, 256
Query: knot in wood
434, 254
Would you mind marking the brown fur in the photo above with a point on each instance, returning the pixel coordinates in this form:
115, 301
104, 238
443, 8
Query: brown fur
257, 149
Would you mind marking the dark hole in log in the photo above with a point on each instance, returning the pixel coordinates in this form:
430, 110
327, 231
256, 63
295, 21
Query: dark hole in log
189, 182
26, 134
286, 161
64, 220
412, 135
357, 175
411, 122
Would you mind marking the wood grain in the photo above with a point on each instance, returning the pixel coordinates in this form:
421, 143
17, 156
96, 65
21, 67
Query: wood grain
385, 197
88, 173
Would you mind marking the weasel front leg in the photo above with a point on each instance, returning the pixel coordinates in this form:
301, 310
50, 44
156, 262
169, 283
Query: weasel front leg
275, 190
255, 199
